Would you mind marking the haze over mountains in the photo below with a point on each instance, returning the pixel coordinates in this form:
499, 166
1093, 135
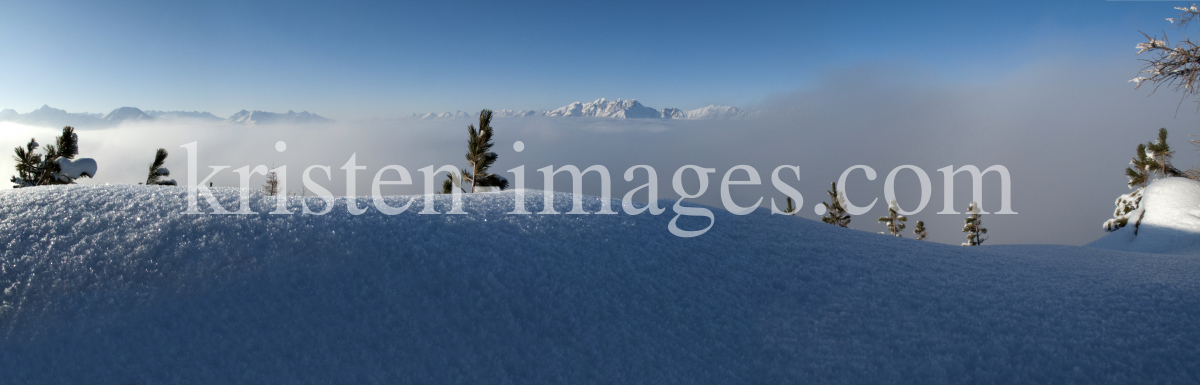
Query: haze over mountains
600, 108
604, 108
53, 117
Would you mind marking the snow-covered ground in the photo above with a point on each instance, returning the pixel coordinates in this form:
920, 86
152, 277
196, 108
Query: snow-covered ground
1171, 223
112, 284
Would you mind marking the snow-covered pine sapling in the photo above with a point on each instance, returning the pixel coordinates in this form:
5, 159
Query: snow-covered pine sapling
1151, 158
57, 166
974, 227
835, 214
1160, 151
920, 231
1143, 166
1128, 207
894, 221
29, 165
480, 156
158, 172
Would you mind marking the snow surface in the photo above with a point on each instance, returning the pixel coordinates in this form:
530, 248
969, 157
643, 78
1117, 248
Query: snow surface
1170, 223
112, 284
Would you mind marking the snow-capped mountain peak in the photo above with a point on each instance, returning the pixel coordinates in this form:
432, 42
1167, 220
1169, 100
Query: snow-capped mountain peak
710, 112
620, 109
604, 108
126, 113
182, 115
263, 117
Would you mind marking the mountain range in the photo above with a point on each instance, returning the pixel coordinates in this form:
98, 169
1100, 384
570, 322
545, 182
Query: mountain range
261, 117
604, 108
601, 108
53, 117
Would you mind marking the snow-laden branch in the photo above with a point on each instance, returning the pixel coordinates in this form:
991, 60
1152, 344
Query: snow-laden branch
1175, 66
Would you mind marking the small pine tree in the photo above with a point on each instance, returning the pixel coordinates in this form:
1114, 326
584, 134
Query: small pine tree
791, 207
157, 171
29, 165
974, 226
271, 187
480, 156
835, 214
1127, 208
46, 169
1151, 158
1142, 169
894, 221
1161, 152
920, 231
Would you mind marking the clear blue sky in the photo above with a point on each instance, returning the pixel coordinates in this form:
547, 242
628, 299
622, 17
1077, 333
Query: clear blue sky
365, 60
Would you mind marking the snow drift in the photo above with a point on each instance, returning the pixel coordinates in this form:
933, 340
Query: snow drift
112, 284
1170, 221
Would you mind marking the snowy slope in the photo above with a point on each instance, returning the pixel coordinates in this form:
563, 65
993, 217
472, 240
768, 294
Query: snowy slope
125, 113
710, 112
262, 117
465, 115
620, 109
1171, 223
110, 284
176, 115
506, 113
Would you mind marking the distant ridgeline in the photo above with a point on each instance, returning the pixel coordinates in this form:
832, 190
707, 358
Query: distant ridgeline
603, 108
52, 117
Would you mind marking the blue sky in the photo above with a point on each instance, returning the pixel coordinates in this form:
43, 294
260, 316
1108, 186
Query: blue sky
367, 60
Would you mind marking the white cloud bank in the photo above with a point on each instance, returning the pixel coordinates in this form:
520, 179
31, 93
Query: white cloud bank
1064, 131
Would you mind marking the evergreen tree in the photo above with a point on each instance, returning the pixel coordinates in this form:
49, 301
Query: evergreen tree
480, 156
920, 231
894, 221
271, 187
157, 171
791, 207
1128, 207
29, 165
1151, 158
47, 169
974, 226
1161, 153
835, 214
1142, 169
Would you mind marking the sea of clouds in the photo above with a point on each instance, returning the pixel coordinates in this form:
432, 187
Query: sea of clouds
1064, 134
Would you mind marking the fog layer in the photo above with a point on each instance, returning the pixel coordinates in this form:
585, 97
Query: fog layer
1063, 130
